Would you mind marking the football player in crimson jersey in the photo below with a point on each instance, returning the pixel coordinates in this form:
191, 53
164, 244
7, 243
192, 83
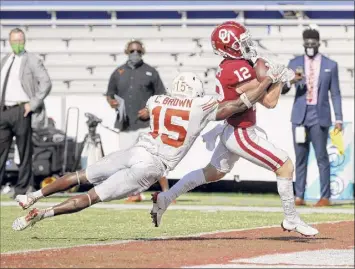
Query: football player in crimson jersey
238, 138
176, 121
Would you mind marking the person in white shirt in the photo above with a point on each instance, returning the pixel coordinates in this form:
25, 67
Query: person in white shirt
24, 85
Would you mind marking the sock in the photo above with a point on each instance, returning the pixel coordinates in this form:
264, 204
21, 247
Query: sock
187, 183
49, 212
285, 189
37, 194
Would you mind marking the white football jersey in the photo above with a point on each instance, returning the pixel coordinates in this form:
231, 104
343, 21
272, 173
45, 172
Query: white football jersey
175, 124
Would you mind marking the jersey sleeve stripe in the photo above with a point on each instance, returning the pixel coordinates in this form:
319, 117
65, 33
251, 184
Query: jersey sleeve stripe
209, 106
211, 101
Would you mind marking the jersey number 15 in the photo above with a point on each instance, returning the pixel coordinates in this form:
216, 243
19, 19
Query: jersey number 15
169, 126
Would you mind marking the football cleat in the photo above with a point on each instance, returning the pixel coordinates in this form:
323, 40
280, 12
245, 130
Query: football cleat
29, 220
26, 200
299, 226
159, 207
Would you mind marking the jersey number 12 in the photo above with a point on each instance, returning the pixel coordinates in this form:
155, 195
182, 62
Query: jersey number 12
242, 74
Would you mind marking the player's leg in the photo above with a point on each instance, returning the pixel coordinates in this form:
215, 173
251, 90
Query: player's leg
98, 172
141, 172
164, 184
127, 140
222, 162
62, 184
249, 145
71, 205
222, 159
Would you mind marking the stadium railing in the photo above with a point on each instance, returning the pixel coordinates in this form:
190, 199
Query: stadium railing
54, 38
182, 7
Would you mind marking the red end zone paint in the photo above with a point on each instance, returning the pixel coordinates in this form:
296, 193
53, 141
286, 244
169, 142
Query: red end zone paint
218, 248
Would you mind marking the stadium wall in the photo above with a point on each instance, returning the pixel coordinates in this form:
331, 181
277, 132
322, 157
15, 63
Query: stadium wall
275, 122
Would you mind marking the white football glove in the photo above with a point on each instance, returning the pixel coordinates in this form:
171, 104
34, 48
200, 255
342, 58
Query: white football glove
288, 76
276, 72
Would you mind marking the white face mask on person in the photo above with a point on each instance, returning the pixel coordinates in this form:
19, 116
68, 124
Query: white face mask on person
311, 52
311, 47
135, 57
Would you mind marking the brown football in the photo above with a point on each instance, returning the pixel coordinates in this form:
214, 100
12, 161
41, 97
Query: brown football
260, 69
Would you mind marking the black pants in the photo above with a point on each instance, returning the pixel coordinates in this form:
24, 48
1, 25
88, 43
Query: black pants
13, 123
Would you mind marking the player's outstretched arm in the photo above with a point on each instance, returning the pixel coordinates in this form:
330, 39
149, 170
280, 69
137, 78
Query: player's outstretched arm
246, 100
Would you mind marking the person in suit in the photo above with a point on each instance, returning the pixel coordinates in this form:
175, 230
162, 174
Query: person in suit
24, 85
316, 75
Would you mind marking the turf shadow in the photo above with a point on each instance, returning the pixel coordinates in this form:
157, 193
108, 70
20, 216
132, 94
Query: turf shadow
75, 238
279, 238
192, 239
296, 239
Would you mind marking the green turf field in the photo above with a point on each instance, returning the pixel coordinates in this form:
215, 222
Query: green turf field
104, 225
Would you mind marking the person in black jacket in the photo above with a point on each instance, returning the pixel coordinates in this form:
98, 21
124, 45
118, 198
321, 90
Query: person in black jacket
130, 87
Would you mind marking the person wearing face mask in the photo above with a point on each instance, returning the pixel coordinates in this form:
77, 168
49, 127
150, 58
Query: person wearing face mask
130, 87
24, 85
316, 75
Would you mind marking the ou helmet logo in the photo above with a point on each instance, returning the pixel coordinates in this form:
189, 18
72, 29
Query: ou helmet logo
224, 36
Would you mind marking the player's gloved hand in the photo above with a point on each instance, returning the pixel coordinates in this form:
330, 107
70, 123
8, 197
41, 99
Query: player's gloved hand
276, 71
288, 76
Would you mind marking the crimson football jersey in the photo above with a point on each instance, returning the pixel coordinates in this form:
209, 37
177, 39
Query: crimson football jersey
230, 74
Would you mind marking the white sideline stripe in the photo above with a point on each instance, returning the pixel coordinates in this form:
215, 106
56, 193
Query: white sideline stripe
118, 242
203, 208
235, 265
338, 257
324, 258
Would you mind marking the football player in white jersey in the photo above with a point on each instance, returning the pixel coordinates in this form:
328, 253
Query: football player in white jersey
175, 120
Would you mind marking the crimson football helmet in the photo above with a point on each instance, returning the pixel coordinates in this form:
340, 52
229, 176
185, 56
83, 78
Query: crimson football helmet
232, 40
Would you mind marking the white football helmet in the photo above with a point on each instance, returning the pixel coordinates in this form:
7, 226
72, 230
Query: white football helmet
187, 84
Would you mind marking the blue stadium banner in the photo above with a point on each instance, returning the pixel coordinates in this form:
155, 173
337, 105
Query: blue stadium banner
341, 169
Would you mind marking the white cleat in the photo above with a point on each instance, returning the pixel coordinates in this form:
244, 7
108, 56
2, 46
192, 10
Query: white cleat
26, 200
159, 207
299, 226
29, 220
